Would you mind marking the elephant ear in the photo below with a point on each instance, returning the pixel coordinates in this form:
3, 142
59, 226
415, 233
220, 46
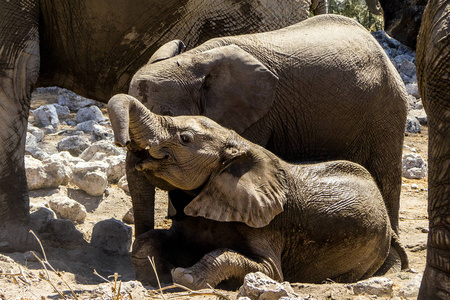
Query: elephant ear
237, 89
251, 189
167, 50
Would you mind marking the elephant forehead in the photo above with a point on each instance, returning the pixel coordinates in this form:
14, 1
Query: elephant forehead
199, 124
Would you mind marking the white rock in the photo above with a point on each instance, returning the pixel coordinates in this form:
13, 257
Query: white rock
116, 167
46, 115
414, 186
36, 132
260, 286
414, 167
412, 89
412, 124
101, 133
72, 100
378, 286
90, 113
123, 183
67, 208
87, 126
62, 110
411, 289
74, 144
420, 115
103, 147
94, 183
40, 175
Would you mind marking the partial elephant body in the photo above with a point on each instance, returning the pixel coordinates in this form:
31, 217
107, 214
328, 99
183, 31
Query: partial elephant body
433, 70
241, 209
322, 89
94, 48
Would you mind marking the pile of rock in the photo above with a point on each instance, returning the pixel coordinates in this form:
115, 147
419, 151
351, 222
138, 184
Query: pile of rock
84, 156
403, 58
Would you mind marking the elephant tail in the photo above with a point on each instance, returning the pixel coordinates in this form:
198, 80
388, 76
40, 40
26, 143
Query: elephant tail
395, 243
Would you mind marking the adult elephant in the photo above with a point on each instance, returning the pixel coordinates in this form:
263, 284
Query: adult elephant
93, 48
433, 69
322, 89
401, 18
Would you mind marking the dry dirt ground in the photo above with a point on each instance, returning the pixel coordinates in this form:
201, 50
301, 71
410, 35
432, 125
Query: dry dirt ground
75, 268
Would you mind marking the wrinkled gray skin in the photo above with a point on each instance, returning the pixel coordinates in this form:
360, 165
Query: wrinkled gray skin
242, 209
319, 90
94, 48
433, 69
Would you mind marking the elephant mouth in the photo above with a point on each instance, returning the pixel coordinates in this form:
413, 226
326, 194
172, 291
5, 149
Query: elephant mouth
151, 163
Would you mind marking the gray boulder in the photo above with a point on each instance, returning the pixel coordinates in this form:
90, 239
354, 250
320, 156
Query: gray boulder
414, 167
101, 133
412, 124
40, 218
72, 100
112, 237
46, 115
91, 113
75, 145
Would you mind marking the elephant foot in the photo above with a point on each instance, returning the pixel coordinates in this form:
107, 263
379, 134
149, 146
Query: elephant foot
21, 240
188, 279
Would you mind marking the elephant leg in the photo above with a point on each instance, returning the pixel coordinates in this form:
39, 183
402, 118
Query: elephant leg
222, 264
142, 196
154, 244
19, 69
433, 69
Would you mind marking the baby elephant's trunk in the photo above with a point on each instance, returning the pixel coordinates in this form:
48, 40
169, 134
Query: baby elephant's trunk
130, 117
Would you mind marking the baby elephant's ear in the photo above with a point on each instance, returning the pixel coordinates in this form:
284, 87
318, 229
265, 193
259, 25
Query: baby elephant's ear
251, 190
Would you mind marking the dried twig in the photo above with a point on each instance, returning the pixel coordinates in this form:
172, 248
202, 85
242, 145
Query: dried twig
44, 264
152, 262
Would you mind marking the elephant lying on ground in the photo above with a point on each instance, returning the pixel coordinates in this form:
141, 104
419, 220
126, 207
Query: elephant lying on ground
94, 48
322, 89
242, 209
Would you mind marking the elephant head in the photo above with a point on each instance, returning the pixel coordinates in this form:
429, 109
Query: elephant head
226, 84
231, 179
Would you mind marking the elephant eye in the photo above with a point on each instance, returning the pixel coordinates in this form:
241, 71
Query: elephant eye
186, 137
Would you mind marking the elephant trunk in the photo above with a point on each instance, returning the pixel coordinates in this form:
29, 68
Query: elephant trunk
129, 116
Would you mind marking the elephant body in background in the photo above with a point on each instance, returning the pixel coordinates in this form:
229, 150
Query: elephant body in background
322, 89
433, 74
94, 48
241, 209
401, 18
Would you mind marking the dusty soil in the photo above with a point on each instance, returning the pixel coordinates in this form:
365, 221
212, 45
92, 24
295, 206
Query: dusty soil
76, 266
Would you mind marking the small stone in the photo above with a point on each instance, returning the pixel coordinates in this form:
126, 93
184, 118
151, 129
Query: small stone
87, 126
75, 145
378, 286
40, 218
112, 237
67, 208
89, 113
101, 133
46, 115
260, 286
412, 124
123, 183
411, 289
128, 218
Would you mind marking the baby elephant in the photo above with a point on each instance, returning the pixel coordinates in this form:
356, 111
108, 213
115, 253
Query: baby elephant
241, 209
